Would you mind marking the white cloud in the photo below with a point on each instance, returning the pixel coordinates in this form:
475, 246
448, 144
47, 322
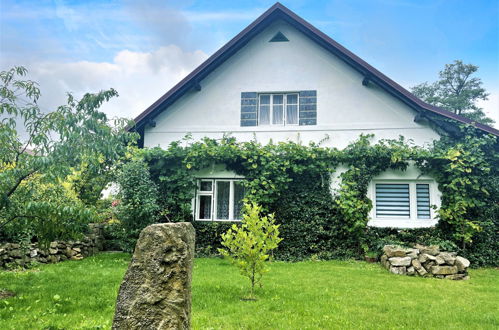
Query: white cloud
491, 107
139, 77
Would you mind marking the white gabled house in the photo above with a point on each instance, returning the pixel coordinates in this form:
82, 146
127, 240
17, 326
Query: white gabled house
282, 79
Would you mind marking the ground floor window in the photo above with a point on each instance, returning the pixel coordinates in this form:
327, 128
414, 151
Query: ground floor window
219, 200
402, 200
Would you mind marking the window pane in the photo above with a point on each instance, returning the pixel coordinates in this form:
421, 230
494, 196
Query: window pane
264, 115
278, 99
423, 200
392, 200
204, 207
292, 114
277, 115
205, 186
223, 195
292, 99
265, 99
238, 200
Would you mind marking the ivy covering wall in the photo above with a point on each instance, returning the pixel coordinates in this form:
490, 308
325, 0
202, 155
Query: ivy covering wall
293, 181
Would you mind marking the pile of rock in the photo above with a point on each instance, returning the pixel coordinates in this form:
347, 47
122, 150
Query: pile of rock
424, 261
13, 254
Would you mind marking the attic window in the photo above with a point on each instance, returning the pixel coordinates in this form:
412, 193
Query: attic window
279, 37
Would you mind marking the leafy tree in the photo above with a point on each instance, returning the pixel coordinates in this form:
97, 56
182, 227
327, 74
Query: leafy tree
48, 146
457, 91
138, 205
248, 245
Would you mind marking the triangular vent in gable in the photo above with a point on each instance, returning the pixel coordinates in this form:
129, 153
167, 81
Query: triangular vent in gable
279, 37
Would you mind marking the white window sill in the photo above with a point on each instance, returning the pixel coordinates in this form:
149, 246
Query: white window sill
402, 223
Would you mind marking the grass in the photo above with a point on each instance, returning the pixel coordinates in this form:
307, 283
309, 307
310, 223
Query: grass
304, 295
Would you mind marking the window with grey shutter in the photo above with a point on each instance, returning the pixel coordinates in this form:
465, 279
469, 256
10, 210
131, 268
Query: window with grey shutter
392, 200
308, 108
249, 106
423, 200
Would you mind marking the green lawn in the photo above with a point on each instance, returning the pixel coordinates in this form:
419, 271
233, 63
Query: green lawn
305, 295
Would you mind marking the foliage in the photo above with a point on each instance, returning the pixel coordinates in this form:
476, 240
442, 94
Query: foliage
294, 182
365, 161
466, 172
457, 91
248, 246
49, 146
301, 295
68, 220
137, 207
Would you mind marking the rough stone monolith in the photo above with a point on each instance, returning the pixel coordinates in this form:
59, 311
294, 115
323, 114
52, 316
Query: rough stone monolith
156, 290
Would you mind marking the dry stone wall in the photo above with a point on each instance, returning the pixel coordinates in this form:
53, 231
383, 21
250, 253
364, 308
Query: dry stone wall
14, 255
426, 261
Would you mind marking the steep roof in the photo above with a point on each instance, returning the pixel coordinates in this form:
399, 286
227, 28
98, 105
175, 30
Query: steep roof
278, 11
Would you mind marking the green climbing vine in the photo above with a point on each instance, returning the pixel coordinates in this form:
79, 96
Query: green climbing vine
294, 181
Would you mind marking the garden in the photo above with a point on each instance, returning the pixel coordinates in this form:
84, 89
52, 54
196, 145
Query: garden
300, 246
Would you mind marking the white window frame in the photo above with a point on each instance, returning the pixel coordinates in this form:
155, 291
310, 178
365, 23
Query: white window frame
402, 222
213, 194
285, 103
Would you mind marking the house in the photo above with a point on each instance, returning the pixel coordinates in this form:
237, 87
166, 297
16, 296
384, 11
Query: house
281, 79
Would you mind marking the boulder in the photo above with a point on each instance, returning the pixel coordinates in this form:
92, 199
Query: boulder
53, 251
17, 253
431, 250
421, 271
398, 261
416, 264
384, 261
456, 277
398, 270
443, 270
449, 257
394, 251
156, 290
424, 257
462, 263
413, 253
53, 245
439, 260
428, 265
411, 271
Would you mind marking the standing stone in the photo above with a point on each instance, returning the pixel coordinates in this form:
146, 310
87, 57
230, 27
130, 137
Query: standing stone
156, 290
462, 263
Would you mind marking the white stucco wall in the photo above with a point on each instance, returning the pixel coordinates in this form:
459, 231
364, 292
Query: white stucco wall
345, 108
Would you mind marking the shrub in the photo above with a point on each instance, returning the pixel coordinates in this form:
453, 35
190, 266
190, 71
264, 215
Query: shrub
138, 206
248, 245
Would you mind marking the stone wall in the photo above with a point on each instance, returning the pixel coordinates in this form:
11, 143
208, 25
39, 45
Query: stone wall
426, 261
13, 254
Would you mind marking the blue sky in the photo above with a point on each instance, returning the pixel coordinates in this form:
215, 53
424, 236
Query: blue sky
80, 46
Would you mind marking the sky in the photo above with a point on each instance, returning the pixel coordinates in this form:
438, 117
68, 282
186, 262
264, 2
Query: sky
143, 48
